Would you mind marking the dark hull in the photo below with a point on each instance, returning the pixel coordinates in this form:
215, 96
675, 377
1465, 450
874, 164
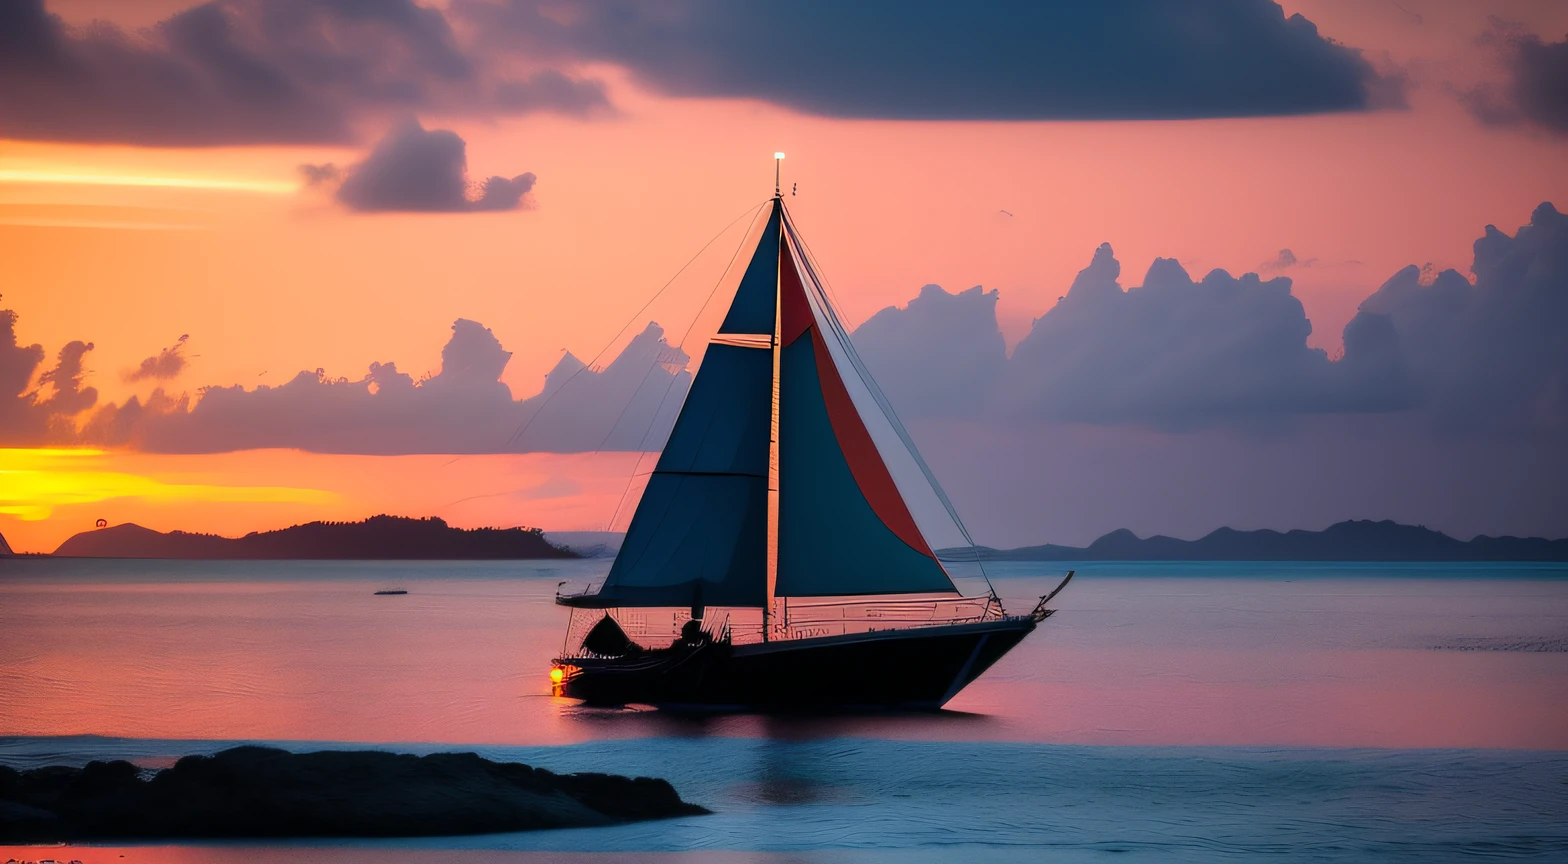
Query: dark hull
911, 669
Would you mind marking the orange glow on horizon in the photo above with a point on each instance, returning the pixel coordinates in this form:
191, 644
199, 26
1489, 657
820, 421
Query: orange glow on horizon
80, 179
235, 493
36, 481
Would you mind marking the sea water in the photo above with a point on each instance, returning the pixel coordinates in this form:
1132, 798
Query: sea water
1191, 711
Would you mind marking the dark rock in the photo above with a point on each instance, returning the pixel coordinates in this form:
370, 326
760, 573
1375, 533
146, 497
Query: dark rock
264, 792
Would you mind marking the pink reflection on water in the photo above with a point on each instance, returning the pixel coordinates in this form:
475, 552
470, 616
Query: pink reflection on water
464, 657
290, 854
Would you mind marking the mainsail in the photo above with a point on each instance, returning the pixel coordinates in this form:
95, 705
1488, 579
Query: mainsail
856, 513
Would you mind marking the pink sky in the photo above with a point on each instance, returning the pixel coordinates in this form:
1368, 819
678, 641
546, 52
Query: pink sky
267, 284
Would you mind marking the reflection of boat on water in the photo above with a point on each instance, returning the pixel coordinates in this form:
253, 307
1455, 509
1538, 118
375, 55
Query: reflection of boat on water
781, 557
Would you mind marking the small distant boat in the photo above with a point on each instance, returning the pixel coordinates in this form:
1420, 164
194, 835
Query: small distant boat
782, 556
391, 591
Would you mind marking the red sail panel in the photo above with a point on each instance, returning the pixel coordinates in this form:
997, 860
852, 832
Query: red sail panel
865, 462
794, 310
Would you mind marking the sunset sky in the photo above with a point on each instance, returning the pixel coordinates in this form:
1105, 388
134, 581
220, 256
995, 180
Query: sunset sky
226, 195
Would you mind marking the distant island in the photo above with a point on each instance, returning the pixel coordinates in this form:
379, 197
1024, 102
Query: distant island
263, 792
397, 537
1360, 540
377, 538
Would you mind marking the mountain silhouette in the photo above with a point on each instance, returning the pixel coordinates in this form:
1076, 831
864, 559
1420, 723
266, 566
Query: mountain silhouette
1359, 540
377, 538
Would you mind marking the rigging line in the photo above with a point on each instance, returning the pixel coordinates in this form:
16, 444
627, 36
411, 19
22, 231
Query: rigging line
516, 436
680, 346
642, 444
627, 407
842, 336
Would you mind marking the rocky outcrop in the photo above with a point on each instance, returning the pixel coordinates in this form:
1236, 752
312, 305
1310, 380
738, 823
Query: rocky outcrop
265, 792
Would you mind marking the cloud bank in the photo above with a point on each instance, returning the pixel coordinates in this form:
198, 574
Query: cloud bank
1172, 354
465, 408
1007, 60
257, 72
1177, 354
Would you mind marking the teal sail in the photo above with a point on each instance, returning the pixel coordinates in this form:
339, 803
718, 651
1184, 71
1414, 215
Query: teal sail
832, 539
844, 527
854, 508
700, 533
752, 311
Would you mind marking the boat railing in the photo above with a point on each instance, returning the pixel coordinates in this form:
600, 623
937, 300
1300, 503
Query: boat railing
804, 618
835, 617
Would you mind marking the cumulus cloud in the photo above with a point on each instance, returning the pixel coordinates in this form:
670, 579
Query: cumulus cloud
1016, 59
1178, 354
36, 413
940, 355
256, 72
1493, 352
465, 408
163, 366
1172, 353
420, 170
1534, 89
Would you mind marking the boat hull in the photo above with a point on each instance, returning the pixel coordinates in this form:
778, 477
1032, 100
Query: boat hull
917, 668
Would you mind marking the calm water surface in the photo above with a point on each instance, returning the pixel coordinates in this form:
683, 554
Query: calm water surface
1168, 711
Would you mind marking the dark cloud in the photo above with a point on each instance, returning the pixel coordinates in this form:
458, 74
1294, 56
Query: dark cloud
1017, 59
164, 365
1534, 89
255, 72
36, 413
465, 408
422, 170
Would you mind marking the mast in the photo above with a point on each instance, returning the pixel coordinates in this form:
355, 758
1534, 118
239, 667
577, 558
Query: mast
768, 614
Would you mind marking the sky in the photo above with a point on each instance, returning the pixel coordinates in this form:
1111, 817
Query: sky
325, 254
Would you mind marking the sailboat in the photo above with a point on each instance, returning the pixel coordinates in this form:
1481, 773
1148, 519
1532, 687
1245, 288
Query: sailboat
783, 556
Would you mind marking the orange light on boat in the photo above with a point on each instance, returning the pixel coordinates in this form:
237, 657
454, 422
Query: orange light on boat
557, 675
